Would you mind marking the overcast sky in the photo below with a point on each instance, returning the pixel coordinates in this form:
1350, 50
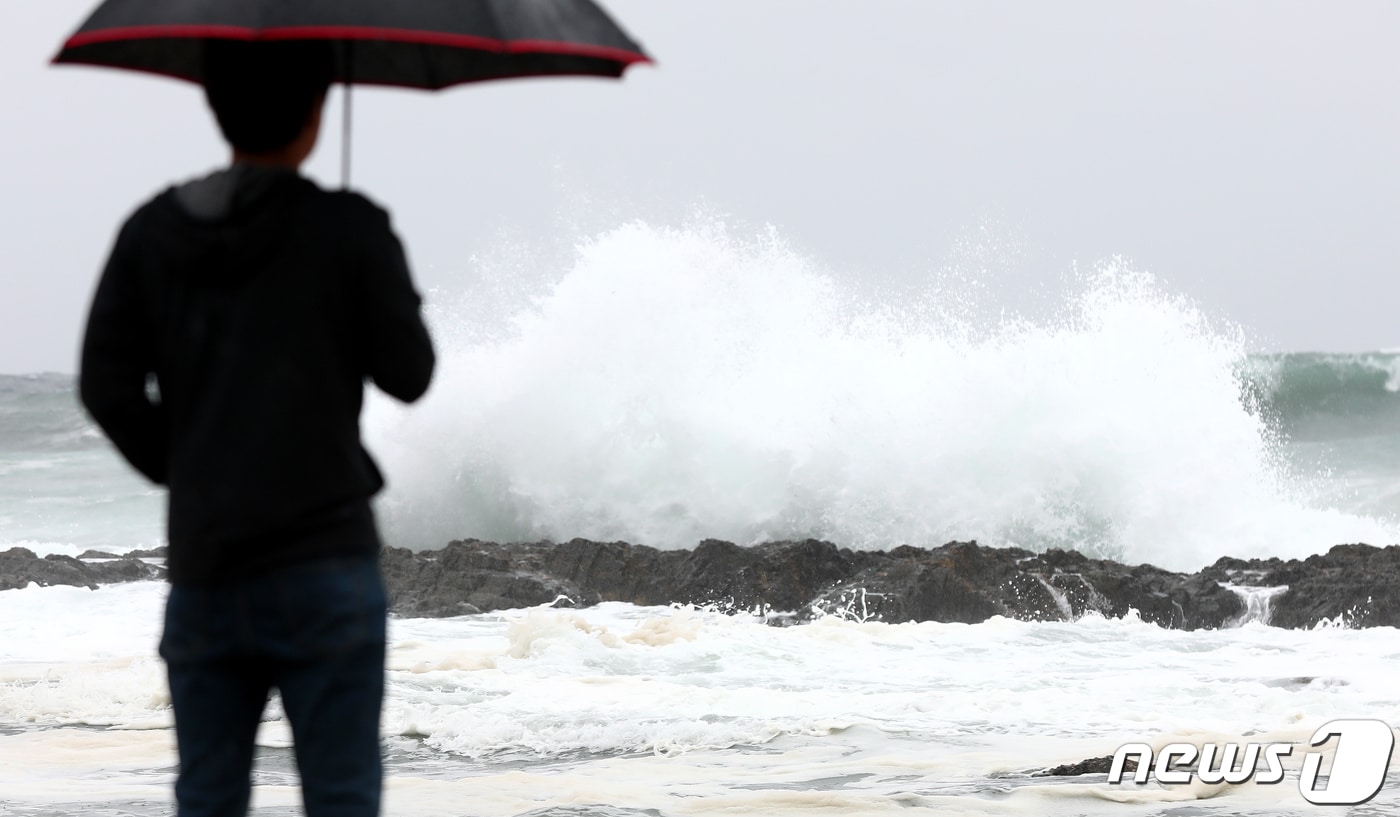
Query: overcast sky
1248, 153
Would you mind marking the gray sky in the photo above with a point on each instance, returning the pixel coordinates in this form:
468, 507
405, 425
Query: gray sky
1246, 152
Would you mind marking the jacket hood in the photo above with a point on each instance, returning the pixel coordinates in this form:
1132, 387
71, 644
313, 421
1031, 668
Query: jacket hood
229, 192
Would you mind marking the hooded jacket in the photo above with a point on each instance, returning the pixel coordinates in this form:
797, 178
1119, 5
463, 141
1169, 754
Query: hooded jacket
231, 335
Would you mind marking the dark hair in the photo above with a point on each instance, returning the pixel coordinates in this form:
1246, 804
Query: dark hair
263, 93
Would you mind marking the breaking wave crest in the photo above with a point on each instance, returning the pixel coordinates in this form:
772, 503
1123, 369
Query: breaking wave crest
677, 384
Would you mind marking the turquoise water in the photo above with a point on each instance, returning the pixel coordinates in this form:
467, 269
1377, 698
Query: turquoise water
63, 488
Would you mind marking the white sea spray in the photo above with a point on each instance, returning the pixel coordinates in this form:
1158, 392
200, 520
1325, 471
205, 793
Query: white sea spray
678, 384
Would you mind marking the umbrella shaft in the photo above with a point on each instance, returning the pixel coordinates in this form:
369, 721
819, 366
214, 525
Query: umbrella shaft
347, 56
345, 141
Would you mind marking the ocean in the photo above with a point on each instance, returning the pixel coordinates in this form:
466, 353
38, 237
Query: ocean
669, 385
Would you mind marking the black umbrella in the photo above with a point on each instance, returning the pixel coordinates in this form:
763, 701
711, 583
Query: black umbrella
430, 44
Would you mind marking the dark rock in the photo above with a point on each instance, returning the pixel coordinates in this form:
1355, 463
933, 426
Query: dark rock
96, 554
616, 571
19, 567
791, 582
152, 553
782, 576
1093, 765
912, 584
1244, 572
15, 566
470, 577
969, 583
777, 576
55, 569
125, 569
1351, 585
1102, 765
1159, 596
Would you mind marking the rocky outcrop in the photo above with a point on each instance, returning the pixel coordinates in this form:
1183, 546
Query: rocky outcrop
19, 567
476, 576
1349, 585
1093, 765
1352, 585
790, 582
472, 577
795, 581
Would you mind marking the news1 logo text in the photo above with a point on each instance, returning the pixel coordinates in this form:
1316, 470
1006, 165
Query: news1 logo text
1359, 764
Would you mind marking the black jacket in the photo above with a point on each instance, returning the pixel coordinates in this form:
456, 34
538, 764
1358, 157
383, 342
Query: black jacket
226, 352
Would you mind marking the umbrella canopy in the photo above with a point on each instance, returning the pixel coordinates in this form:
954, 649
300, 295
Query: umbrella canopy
430, 44
427, 44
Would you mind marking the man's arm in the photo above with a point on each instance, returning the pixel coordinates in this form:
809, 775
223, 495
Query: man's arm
399, 351
117, 359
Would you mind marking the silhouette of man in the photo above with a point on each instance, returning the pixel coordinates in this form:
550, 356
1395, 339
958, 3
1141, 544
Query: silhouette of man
226, 353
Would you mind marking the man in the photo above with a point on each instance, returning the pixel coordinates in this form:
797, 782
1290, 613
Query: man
226, 352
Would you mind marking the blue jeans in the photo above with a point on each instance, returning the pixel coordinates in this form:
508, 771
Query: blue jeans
316, 632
